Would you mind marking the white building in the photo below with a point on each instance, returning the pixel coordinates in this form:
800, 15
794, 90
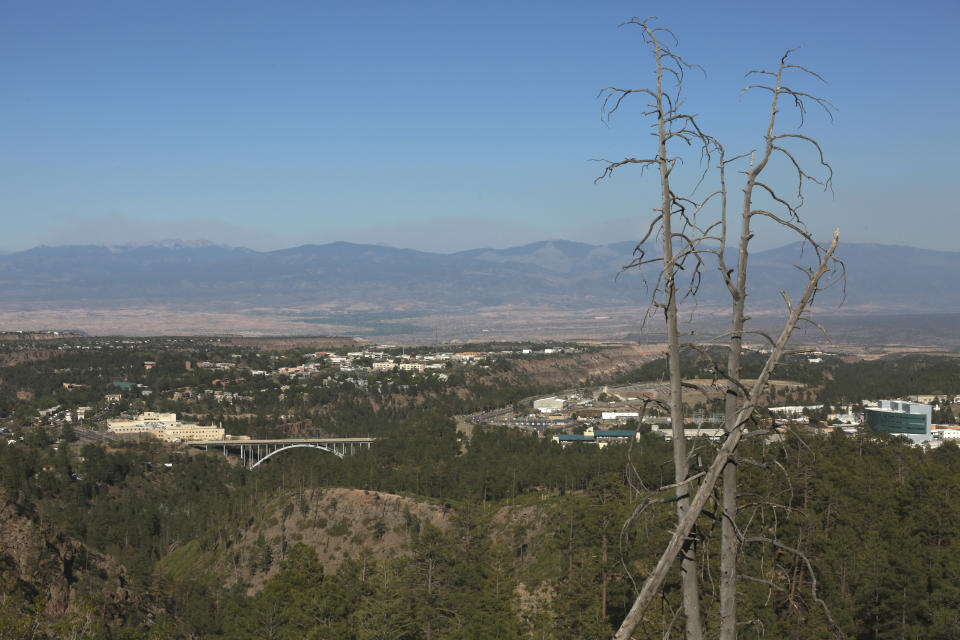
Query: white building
667, 433
182, 431
164, 426
619, 415
793, 411
549, 405
146, 422
946, 433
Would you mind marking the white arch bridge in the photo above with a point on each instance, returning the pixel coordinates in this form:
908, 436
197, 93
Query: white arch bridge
253, 452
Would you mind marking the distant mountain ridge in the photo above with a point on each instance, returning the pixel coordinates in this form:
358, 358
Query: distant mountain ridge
554, 274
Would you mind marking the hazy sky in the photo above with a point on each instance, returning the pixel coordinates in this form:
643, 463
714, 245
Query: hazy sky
441, 125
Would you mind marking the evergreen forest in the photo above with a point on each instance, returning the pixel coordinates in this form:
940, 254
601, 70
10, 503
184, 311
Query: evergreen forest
433, 533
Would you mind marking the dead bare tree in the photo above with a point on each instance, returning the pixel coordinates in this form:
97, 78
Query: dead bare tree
775, 144
686, 243
679, 246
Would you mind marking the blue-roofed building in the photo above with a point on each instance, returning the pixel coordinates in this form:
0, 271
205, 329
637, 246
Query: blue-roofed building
600, 437
611, 435
614, 434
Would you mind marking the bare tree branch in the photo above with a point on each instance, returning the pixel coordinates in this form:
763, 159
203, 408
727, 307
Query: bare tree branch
686, 523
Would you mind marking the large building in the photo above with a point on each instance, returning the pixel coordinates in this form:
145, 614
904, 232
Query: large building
549, 405
183, 431
164, 426
901, 418
599, 437
146, 422
620, 415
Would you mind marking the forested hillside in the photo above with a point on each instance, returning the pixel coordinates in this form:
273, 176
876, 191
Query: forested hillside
433, 534
170, 553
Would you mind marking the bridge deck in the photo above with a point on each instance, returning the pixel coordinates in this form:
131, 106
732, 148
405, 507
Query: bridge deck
281, 441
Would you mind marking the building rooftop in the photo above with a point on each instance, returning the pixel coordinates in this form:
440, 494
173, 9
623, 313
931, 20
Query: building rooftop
572, 437
614, 433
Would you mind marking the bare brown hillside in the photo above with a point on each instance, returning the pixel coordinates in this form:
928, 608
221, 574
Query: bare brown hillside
337, 523
340, 523
34, 562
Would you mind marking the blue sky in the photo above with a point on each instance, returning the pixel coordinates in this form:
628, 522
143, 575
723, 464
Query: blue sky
441, 125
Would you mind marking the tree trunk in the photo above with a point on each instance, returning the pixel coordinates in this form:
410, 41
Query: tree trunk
728, 530
729, 543
686, 238
728, 555
659, 573
688, 565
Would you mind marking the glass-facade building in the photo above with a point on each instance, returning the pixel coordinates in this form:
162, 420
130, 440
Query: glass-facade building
898, 417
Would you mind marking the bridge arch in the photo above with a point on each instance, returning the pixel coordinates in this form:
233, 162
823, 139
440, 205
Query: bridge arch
294, 446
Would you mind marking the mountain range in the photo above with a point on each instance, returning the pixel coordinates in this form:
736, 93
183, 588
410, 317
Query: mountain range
340, 280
